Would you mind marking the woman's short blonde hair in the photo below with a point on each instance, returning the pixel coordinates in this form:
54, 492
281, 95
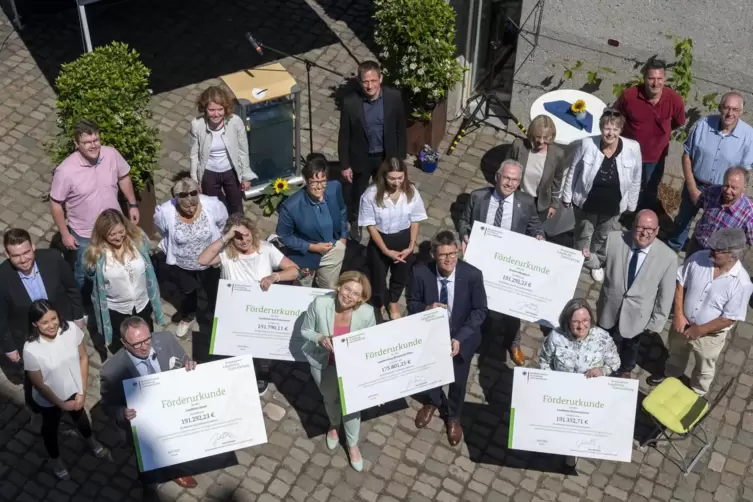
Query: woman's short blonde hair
612, 117
186, 184
539, 124
355, 276
218, 95
238, 219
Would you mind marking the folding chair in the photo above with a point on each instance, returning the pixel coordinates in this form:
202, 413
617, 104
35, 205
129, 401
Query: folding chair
675, 408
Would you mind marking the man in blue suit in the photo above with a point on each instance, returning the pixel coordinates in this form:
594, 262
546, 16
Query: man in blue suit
458, 287
313, 225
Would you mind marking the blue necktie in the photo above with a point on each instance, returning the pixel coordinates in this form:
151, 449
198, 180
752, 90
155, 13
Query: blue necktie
499, 213
443, 291
633, 267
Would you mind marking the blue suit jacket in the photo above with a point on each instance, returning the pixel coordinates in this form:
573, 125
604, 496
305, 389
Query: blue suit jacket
468, 303
297, 225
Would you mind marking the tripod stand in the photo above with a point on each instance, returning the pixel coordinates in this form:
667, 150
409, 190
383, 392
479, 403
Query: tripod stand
309, 64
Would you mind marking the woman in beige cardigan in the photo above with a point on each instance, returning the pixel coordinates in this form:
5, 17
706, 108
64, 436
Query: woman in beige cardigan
219, 150
327, 317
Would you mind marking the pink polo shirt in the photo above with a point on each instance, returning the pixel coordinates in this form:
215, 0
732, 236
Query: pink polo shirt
87, 190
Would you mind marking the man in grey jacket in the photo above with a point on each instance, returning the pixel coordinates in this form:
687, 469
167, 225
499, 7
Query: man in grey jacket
143, 353
639, 285
506, 207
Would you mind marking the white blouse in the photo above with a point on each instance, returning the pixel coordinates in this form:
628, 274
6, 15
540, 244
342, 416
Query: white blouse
394, 216
125, 284
58, 362
251, 267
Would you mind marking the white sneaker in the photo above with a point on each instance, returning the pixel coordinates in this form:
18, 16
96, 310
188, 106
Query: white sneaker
597, 274
183, 328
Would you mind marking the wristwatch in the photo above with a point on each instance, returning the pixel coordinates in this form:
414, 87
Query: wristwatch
133, 205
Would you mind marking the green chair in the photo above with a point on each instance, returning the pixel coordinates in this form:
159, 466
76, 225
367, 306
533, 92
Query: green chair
677, 412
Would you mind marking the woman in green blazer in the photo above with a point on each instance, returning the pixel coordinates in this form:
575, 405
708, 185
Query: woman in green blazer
329, 316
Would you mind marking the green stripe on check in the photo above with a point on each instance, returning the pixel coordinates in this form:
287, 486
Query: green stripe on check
214, 333
136, 447
512, 427
342, 394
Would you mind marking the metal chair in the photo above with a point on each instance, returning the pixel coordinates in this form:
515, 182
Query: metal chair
675, 408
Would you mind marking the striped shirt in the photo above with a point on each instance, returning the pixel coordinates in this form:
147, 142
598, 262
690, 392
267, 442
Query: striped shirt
715, 216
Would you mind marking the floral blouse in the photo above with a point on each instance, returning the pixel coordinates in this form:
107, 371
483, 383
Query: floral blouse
563, 352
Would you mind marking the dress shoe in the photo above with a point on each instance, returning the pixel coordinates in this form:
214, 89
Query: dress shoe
517, 357
186, 482
454, 431
655, 380
424, 415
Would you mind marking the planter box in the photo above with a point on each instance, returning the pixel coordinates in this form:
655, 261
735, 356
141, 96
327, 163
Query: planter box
428, 133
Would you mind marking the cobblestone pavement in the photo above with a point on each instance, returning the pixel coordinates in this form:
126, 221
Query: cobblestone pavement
401, 463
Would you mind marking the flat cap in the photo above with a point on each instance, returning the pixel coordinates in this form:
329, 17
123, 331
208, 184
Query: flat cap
727, 239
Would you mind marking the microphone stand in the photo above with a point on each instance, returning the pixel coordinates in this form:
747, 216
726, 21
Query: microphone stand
309, 64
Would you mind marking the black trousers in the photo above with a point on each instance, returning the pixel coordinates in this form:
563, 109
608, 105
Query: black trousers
51, 416
362, 177
226, 187
628, 349
189, 282
453, 401
379, 264
117, 318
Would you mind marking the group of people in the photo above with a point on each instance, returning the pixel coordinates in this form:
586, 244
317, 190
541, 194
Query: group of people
205, 237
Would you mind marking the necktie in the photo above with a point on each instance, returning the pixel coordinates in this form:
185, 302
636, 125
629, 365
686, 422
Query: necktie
498, 214
633, 267
443, 291
149, 367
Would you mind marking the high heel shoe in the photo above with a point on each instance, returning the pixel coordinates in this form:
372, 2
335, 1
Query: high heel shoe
332, 443
357, 465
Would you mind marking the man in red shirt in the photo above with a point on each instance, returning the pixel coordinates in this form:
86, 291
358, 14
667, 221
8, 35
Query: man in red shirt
651, 112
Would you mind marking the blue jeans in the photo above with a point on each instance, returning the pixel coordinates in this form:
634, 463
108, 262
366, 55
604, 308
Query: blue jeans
684, 217
650, 179
78, 268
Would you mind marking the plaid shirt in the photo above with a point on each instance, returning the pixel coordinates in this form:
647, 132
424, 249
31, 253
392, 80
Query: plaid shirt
715, 216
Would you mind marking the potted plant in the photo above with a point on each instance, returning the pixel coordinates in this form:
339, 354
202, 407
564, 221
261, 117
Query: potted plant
429, 158
416, 47
111, 86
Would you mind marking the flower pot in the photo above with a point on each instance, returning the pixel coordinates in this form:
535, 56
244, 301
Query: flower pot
428, 133
429, 167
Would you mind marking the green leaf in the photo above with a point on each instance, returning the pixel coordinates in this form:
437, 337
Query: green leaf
591, 77
568, 74
607, 69
578, 65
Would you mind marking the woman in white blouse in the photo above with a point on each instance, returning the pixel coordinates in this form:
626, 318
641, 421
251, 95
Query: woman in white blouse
57, 365
124, 282
189, 223
390, 210
244, 257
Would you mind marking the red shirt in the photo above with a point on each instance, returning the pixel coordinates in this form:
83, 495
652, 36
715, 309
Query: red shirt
648, 124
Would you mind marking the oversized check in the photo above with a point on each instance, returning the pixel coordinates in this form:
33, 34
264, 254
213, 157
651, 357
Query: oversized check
569, 414
393, 360
263, 324
524, 277
186, 415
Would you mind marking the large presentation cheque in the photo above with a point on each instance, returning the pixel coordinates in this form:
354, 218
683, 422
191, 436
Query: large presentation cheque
262, 324
524, 277
569, 414
186, 415
393, 360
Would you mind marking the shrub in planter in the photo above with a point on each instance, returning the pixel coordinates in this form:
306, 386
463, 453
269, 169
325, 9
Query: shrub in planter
110, 86
416, 41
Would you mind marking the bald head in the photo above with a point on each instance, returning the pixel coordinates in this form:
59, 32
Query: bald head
645, 228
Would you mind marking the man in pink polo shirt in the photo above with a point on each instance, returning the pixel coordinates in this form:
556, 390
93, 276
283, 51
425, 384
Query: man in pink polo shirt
86, 183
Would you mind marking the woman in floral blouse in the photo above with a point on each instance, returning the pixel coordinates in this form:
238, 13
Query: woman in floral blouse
579, 346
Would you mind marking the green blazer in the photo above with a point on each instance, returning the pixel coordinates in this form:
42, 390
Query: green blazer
318, 321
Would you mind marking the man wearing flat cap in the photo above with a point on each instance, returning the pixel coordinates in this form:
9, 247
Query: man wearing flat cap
712, 292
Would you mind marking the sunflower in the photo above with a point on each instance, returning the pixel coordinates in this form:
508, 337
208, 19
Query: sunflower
280, 185
578, 107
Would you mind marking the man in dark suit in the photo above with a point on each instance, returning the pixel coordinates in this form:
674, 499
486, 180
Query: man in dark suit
372, 128
459, 288
312, 225
506, 207
31, 274
143, 353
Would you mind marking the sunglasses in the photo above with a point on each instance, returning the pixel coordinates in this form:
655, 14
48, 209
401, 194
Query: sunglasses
183, 195
611, 112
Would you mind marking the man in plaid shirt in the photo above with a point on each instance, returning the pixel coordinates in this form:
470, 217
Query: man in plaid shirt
724, 206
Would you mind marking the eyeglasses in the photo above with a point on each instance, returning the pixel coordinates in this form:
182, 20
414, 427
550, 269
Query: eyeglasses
140, 344
89, 143
183, 195
581, 323
611, 112
350, 292
648, 230
447, 256
316, 183
730, 109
